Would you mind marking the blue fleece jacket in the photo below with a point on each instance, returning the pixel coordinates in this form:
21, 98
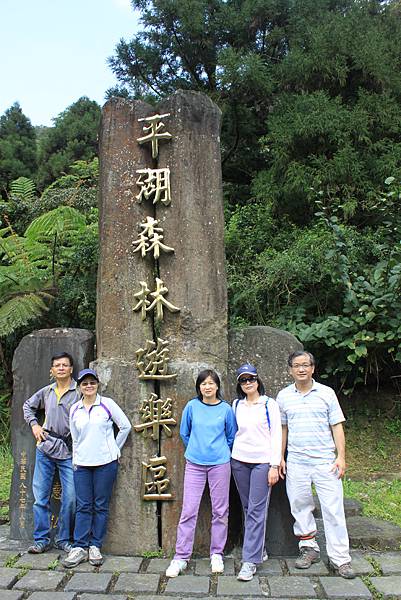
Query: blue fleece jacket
208, 431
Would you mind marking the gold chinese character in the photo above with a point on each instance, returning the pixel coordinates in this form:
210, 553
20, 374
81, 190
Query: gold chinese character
152, 360
156, 413
53, 522
159, 301
154, 184
152, 132
151, 239
155, 488
57, 490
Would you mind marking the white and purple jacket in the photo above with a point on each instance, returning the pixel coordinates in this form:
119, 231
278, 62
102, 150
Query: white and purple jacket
92, 432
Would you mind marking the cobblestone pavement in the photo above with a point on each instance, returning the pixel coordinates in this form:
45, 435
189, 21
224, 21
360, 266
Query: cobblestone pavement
41, 577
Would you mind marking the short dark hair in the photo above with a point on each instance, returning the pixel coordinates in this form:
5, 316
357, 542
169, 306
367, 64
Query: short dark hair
241, 394
204, 375
63, 355
301, 353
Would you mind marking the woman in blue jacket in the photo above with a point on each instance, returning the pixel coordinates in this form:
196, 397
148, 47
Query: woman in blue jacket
207, 429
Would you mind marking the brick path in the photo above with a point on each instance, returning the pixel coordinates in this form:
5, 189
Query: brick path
41, 577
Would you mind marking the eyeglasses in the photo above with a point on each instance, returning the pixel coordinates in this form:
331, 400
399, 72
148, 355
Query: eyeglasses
250, 379
298, 367
86, 383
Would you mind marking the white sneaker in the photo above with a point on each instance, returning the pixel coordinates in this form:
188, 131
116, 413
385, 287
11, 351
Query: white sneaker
176, 567
95, 557
216, 563
247, 572
75, 557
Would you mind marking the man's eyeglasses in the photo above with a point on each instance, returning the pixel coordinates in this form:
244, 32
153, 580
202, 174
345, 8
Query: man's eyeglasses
250, 379
298, 367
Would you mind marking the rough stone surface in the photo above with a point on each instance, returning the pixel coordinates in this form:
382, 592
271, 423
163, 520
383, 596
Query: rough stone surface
54, 596
8, 576
88, 582
367, 532
268, 349
271, 567
389, 587
138, 582
40, 581
31, 372
39, 561
5, 556
390, 562
12, 595
230, 586
336, 587
158, 565
359, 563
291, 587
106, 597
188, 584
128, 564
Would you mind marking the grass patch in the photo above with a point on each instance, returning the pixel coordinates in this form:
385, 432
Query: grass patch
380, 498
6, 469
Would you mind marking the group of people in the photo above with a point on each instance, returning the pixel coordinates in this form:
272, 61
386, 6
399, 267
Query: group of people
298, 436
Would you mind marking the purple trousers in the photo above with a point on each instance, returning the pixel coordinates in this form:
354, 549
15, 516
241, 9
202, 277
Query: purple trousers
254, 492
195, 478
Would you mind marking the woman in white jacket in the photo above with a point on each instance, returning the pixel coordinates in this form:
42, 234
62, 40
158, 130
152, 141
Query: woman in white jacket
255, 460
95, 454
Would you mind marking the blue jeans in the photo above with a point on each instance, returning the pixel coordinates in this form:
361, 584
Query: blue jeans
93, 487
45, 468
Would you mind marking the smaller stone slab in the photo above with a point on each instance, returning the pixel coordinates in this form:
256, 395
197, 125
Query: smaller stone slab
270, 567
352, 508
53, 596
158, 565
390, 562
291, 587
108, 597
137, 582
8, 576
11, 595
230, 586
370, 532
88, 582
122, 564
45, 581
84, 567
202, 567
37, 561
337, 587
388, 587
189, 585
315, 569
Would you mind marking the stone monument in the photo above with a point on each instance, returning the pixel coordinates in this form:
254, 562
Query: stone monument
30, 366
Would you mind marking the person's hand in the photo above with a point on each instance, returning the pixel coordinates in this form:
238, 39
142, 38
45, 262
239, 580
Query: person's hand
339, 466
282, 469
38, 433
272, 477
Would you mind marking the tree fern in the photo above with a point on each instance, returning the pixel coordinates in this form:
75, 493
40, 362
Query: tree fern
61, 221
20, 310
23, 188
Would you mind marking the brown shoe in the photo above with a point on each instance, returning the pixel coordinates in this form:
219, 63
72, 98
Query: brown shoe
307, 556
345, 570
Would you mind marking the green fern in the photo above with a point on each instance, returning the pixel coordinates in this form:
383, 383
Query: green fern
23, 188
22, 309
62, 221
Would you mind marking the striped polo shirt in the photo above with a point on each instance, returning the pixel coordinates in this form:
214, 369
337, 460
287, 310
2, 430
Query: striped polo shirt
308, 417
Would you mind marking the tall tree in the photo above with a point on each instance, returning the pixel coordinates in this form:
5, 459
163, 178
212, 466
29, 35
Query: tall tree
17, 146
73, 137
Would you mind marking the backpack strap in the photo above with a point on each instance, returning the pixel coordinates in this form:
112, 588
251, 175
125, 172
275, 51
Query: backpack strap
102, 404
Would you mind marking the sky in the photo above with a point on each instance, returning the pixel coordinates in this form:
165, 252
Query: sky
55, 51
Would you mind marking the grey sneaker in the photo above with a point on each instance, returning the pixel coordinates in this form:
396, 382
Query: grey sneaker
346, 571
75, 557
38, 548
95, 557
66, 547
247, 572
307, 556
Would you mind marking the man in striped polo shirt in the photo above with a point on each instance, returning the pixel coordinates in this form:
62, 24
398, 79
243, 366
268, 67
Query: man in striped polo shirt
312, 419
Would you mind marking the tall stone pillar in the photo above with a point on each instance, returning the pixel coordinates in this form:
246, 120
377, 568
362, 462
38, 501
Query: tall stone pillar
31, 364
194, 283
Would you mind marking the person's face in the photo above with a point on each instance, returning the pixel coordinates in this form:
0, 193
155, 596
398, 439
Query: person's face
248, 383
61, 368
88, 386
208, 388
302, 369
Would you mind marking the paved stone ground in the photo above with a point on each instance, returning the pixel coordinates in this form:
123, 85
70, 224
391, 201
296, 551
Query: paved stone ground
24, 576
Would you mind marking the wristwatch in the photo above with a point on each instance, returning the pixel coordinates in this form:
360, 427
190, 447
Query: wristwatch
274, 466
